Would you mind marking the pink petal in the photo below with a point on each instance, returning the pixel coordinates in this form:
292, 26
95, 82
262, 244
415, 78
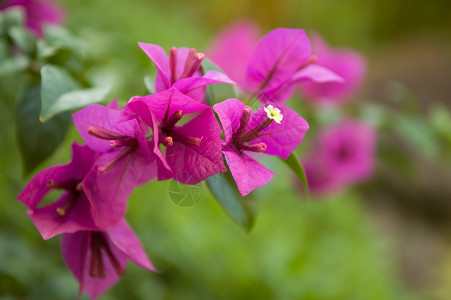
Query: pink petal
104, 118
229, 112
77, 256
318, 74
123, 237
166, 103
77, 218
192, 164
247, 172
158, 57
280, 139
108, 192
186, 85
278, 55
82, 160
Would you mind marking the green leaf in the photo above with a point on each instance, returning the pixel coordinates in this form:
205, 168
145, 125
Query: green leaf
217, 92
55, 82
75, 99
13, 65
240, 209
149, 81
56, 36
295, 165
37, 141
9, 17
418, 134
23, 39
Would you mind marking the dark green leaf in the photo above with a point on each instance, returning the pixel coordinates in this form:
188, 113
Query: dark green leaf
23, 39
36, 140
240, 209
220, 91
295, 165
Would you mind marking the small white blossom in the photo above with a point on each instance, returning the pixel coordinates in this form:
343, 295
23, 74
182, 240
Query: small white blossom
273, 113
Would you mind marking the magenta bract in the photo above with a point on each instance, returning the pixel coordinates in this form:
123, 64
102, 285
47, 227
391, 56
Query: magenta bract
98, 258
248, 132
72, 211
182, 71
126, 158
279, 60
192, 150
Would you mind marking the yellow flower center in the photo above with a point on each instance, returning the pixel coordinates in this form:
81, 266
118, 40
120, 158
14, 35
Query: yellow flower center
273, 113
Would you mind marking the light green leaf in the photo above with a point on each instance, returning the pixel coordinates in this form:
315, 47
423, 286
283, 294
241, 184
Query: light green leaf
55, 82
23, 39
149, 81
76, 99
420, 136
240, 209
60, 37
295, 165
9, 17
13, 65
37, 141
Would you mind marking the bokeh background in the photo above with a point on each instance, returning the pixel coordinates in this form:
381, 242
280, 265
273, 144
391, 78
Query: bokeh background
385, 239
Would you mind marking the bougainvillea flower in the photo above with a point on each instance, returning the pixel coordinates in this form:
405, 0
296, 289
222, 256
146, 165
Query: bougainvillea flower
98, 258
37, 13
72, 211
181, 69
343, 154
270, 130
126, 158
193, 150
233, 49
280, 60
348, 64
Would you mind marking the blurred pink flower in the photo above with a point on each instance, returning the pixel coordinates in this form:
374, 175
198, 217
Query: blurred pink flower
344, 154
271, 68
37, 13
348, 64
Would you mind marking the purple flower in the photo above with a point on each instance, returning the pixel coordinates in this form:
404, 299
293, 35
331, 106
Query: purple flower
37, 13
182, 71
126, 158
346, 63
98, 258
344, 154
73, 210
280, 60
193, 150
270, 130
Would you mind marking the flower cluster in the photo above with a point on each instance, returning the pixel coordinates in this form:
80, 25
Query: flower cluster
173, 134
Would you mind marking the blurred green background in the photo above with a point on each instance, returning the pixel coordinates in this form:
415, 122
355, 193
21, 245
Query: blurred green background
387, 239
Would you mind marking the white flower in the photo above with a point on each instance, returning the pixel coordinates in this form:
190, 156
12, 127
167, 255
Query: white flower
273, 113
